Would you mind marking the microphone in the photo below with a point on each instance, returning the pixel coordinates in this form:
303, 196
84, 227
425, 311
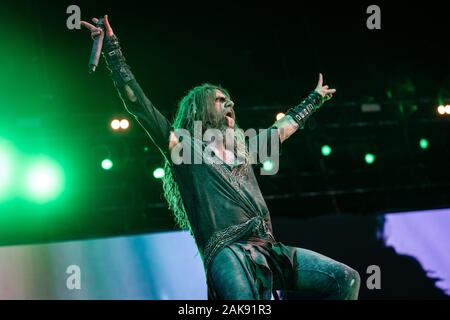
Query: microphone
96, 47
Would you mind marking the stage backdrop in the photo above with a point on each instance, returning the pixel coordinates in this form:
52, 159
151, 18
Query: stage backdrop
167, 265
155, 266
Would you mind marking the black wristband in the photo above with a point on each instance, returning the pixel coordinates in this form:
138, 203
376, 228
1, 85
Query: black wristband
110, 43
114, 57
112, 51
115, 61
306, 108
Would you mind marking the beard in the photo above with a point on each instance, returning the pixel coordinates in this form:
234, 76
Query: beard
216, 121
233, 138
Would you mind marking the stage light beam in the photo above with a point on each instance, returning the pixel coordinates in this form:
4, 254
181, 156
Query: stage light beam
6, 168
44, 181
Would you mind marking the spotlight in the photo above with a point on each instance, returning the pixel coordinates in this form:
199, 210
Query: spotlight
326, 150
268, 165
158, 173
441, 110
447, 109
115, 124
423, 143
107, 164
124, 124
44, 180
369, 158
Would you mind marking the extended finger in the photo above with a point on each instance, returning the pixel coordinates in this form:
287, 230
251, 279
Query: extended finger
95, 20
88, 25
108, 28
320, 82
331, 91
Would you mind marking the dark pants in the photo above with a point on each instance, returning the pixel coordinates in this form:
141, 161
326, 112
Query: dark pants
311, 272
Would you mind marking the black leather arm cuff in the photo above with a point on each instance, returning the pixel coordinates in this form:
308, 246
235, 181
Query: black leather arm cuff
306, 108
115, 61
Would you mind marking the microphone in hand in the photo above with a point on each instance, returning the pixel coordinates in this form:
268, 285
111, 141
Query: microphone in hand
97, 47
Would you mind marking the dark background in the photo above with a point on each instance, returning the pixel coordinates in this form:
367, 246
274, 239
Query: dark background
268, 56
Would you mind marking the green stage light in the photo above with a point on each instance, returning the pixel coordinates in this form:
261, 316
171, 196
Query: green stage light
268, 165
326, 150
423, 143
107, 164
6, 167
44, 180
370, 158
5, 170
158, 173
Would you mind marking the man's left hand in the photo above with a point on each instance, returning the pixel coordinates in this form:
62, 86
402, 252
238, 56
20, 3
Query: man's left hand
324, 91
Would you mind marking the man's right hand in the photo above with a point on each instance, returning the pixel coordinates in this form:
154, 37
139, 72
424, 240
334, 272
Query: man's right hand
96, 31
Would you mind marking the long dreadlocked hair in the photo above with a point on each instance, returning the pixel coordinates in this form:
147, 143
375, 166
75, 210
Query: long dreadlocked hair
198, 105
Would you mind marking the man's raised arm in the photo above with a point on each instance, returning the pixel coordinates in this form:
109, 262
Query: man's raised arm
296, 117
136, 102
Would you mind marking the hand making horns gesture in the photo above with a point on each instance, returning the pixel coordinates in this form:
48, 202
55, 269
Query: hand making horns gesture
95, 31
324, 91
